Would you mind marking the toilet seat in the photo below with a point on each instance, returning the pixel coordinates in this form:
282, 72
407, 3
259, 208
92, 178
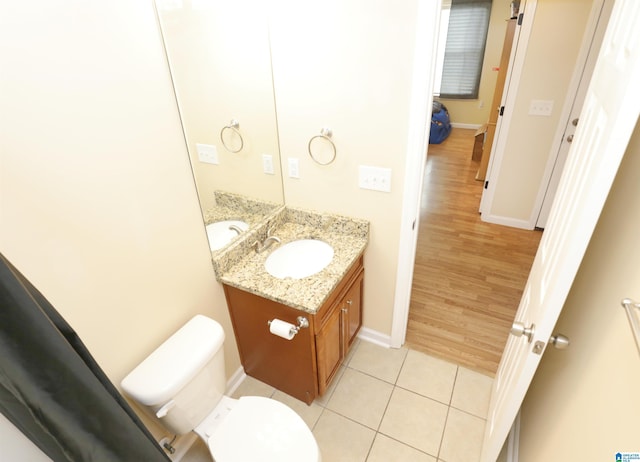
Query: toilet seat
260, 429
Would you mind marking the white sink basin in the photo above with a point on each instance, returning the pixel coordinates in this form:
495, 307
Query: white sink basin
299, 259
220, 233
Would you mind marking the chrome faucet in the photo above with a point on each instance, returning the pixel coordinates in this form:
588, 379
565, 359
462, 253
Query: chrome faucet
267, 242
235, 228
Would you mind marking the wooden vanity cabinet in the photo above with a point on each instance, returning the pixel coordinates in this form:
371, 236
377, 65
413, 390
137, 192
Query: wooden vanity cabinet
337, 329
304, 366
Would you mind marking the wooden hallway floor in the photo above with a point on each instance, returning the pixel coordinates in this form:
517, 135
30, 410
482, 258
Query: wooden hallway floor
469, 275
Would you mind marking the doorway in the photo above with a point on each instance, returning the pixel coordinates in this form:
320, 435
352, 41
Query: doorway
456, 292
468, 274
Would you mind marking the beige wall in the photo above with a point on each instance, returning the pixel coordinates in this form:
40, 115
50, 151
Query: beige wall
476, 111
355, 80
546, 75
583, 402
98, 205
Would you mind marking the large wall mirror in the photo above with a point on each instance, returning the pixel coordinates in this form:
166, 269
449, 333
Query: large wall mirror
220, 63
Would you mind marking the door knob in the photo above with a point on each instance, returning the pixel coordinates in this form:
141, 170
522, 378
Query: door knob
569, 138
574, 122
561, 342
519, 329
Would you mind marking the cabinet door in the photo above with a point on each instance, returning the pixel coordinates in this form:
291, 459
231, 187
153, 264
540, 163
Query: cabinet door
329, 349
352, 311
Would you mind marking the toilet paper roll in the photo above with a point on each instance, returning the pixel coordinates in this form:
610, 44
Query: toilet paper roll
282, 329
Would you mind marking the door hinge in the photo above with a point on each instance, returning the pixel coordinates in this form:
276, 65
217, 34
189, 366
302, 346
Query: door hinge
501, 110
486, 184
520, 16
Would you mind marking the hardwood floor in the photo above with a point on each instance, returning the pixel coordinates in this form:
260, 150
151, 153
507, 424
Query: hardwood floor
469, 275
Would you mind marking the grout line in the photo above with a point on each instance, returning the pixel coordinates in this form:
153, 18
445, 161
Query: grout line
446, 420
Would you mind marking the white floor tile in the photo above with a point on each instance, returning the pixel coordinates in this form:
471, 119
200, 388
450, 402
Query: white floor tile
361, 397
385, 449
341, 439
463, 434
253, 387
428, 376
415, 420
472, 392
380, 362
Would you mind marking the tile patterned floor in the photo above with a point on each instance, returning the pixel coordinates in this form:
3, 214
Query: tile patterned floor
392, 405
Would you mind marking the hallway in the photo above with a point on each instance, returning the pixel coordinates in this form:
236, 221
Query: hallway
468, 275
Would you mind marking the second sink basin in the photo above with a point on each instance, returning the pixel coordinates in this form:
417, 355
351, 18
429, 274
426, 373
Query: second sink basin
221, 233
299, 259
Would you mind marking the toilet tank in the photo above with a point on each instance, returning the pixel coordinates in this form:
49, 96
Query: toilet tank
184, 378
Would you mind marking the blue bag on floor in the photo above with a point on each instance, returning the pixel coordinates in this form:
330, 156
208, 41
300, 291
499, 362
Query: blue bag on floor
440, 123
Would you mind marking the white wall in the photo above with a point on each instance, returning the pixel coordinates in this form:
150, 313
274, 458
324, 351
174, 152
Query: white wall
583, 402
98, 206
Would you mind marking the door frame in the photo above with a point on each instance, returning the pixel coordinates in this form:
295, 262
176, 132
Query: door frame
428, 27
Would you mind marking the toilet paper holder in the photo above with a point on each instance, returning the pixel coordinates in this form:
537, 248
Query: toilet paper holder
302, 322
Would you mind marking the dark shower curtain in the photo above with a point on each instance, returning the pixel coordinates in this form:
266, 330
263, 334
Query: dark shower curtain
53, 390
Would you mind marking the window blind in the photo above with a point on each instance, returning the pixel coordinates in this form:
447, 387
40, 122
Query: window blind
464, 49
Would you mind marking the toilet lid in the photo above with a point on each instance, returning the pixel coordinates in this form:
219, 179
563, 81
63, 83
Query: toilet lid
262, 429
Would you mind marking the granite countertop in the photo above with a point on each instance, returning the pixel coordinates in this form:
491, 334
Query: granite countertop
347, 236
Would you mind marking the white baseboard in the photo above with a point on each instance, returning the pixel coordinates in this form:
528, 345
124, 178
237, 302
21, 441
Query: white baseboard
506, 221
372, 336
235, 380
470, 126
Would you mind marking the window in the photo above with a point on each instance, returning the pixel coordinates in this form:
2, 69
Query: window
466, 35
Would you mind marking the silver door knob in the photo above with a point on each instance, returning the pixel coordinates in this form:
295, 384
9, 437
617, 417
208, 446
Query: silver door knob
519, 329
559, 341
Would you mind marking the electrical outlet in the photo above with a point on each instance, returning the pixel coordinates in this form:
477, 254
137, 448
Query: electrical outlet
207, 153
294, 167
539, 107
374, 178
267, 164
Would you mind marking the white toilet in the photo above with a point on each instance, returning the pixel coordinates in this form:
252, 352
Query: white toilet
183, 382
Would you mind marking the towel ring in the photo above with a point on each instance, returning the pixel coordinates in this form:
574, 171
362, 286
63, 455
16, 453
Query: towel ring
325, 134
234, 126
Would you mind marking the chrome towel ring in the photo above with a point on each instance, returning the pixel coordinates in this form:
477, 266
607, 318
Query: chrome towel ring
325, 134
234, 126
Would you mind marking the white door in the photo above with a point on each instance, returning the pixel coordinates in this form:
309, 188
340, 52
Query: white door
573, 118
609, 115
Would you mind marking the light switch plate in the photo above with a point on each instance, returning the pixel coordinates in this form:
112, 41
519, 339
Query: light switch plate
294, 167
375, 178
539, 107
267, 164
207, 153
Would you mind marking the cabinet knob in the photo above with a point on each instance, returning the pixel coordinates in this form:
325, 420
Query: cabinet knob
349, 302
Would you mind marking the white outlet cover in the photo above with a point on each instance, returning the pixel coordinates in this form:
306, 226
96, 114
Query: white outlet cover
267, 164
294, 167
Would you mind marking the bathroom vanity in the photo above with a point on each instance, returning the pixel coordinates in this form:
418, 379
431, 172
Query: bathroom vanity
304, 366
330, 302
